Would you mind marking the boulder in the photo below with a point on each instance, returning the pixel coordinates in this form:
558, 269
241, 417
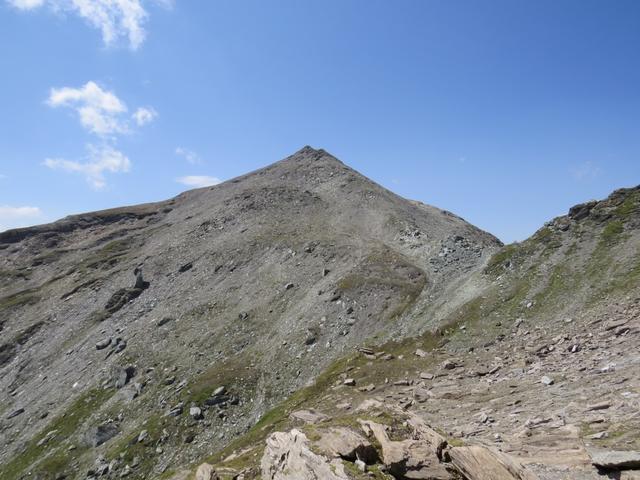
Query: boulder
345, 443
15, 413
120, 376
206, 472
103, 344
415, 459
308, 416
99, 434
616, 459
287, 456
481, 463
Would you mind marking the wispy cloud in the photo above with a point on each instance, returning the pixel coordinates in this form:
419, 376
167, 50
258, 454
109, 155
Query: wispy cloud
585, 171
189, 155
198, 181
26, 4
14, 217
144, 115
100, 160
100, 111
116, 19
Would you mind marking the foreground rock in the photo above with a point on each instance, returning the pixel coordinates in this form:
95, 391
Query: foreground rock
481, 463
288, 457
342, 442
408, 458
616, 460
206, 472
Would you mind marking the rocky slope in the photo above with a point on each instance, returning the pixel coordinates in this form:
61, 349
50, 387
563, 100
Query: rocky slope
148, 337
537, 377
301, 322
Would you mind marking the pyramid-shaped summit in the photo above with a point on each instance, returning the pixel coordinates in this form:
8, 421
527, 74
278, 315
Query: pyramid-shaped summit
255, 284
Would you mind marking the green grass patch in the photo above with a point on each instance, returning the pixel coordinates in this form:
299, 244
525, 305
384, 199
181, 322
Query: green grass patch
65, 426
611, 232
501, 259
20, 299
630, 206
129, 448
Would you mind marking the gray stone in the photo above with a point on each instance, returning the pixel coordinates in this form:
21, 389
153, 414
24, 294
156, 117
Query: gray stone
616, 459
99, 434
15, 413
102, 344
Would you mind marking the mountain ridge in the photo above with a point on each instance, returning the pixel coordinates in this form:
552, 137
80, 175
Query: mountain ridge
305, 251
138, 341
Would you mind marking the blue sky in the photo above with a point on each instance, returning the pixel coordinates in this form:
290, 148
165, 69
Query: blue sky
504, 112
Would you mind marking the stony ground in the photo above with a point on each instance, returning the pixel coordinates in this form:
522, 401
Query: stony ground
258, 324
543, 367
118, 322
551, 399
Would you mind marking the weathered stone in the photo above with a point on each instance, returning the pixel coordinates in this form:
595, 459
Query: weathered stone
345, 443
599, 406
616, 459
164, 320
287, 456
99, 434
449, 365
219, 391
102, 344
408, 458
481, 463
206, 472
15, 413
120, 376
308, 416
175, 411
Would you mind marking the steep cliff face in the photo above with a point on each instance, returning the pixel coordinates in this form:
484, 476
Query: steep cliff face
124, 320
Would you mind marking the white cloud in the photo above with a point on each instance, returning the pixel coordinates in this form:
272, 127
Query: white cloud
102, 113
14, 217
101, 159
116, 19
197, 181
585, 171
144, 115
26, 4
99, 110
189, 155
